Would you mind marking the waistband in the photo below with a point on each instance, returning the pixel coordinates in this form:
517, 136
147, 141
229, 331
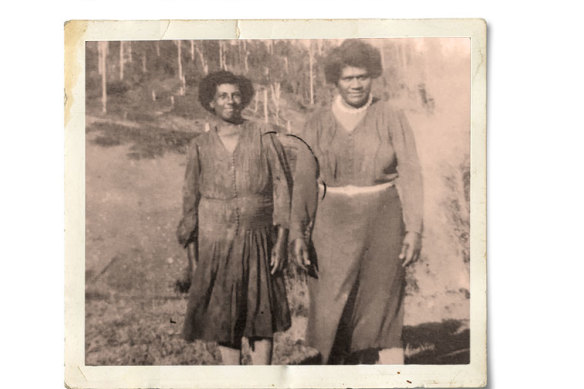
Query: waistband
257, 198
240, 212
352, 190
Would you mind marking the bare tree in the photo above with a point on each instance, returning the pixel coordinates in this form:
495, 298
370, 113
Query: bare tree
311, 75
222, 64
266, 104
319, 46
256, 99
204, 64
275, 88
121, 60
181, 77
102, 69
245, 56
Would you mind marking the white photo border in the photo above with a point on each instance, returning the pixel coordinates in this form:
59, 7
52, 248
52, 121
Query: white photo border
77, 375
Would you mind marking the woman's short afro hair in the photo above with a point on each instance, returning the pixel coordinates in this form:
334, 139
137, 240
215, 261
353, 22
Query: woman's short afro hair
352, 52
208, 87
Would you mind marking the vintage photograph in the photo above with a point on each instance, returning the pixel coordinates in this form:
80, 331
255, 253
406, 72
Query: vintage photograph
277, 202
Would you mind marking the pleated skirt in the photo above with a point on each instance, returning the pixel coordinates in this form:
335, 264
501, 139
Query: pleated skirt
233, 294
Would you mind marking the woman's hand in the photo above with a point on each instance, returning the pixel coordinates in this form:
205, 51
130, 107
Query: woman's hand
278, 255
411, 247
192, 253
300, 254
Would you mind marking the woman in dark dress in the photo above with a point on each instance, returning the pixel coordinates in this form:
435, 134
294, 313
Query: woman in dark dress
368, 226
236, 212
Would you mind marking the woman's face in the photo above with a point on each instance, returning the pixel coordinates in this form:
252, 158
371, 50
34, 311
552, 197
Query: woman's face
227, 102
354, 86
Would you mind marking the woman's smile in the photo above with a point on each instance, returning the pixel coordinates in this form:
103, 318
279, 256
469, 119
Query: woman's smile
227, 102
354, 86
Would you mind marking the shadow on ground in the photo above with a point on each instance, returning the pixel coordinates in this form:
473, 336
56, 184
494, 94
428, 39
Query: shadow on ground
437, 343
444, 343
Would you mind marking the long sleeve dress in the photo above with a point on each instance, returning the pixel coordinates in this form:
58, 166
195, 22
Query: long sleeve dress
231, 205
356, 303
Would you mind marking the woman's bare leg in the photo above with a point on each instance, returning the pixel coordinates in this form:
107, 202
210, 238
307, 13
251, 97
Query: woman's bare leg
261, 352
391, 356
230, 356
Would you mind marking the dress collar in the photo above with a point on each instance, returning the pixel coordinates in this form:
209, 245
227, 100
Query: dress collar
338, 103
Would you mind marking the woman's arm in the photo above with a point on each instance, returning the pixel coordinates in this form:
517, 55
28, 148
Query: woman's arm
304, 196
187, 228
282, 191
410, 185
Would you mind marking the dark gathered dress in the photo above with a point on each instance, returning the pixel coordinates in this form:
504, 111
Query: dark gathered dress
357, 301
232, 203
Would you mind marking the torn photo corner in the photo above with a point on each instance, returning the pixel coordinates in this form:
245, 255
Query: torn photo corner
180, 270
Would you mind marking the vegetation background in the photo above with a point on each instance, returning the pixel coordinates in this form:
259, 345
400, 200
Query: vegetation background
142, 111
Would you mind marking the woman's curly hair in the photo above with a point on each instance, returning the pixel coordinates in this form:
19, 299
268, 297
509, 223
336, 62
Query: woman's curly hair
352, 52
208, 87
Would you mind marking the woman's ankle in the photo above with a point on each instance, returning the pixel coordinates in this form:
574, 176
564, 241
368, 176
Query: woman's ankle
391, 356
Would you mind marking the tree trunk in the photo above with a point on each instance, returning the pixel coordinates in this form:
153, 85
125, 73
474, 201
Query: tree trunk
256, 101
180, 70
222, 64
202, 58
121, 60
245, 55
311, 82
158, 48
239, 51
266, 105
144, 70
99, 54
193, 51
130, 58
178, 55
275, 87
319, 46
102, 51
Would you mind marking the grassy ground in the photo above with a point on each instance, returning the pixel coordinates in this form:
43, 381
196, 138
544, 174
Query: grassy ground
134, 315
134, 172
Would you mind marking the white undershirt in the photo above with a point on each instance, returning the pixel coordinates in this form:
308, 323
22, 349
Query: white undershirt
347, 116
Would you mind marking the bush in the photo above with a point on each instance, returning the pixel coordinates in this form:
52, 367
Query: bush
118, 88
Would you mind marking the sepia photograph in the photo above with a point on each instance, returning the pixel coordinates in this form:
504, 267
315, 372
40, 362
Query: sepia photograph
299, 201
